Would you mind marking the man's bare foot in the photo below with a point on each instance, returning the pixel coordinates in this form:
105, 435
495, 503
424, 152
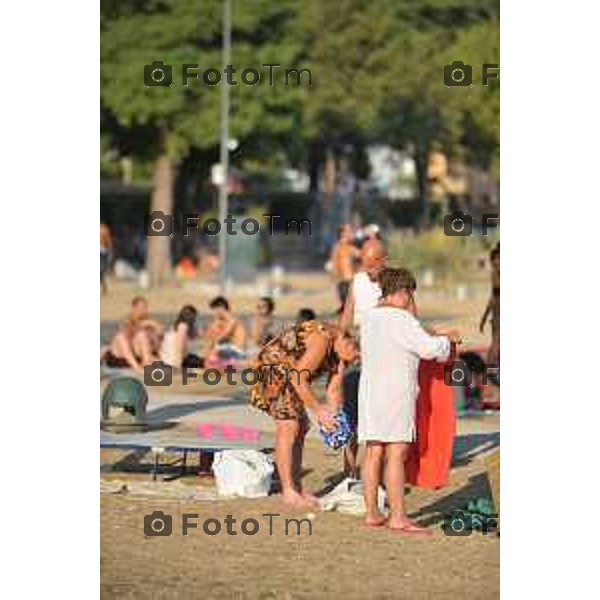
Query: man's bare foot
375, 520
294, 499
405, 525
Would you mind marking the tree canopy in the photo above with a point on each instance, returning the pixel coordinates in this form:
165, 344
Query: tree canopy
377, 75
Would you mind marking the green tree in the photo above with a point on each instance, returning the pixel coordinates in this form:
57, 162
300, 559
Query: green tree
177, 118
418, 110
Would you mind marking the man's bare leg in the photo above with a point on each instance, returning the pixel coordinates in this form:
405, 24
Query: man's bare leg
371, 476
396, 454
286, 432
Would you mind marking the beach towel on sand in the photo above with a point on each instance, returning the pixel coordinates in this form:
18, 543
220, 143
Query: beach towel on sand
430, 458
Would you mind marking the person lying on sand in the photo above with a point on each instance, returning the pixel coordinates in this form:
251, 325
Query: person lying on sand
137, 341
175, 347
288, 365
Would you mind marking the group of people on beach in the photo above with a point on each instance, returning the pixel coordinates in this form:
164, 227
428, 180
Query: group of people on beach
379, 325
369, 354
140, 340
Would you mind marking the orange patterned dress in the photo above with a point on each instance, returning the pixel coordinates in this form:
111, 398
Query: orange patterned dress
273, 393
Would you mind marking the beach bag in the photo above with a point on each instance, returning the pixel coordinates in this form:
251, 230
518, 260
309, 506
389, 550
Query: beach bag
243, 473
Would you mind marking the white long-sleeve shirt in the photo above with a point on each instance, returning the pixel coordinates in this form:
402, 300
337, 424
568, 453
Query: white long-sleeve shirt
392, 343
366, 295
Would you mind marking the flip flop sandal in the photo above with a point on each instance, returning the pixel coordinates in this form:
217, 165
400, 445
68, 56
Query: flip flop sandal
411, 530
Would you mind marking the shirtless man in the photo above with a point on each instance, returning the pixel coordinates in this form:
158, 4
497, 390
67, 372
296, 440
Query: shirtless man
106, 247
137, 341
342, 261
225, 331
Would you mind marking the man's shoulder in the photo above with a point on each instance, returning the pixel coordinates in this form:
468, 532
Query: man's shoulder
360, 276
388, 312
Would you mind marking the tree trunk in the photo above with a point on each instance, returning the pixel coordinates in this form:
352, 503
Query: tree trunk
330, 172
422, 190
158, 259
315, 156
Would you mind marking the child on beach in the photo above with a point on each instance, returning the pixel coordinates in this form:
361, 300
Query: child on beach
343, 395
392, 343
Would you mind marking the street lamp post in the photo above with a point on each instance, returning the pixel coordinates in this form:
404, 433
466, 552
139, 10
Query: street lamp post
224, 155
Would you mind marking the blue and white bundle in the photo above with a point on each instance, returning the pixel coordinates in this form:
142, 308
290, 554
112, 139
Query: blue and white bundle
342, 435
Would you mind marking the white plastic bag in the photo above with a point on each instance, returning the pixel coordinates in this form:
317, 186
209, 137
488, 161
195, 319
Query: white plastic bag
244, 473
347, 497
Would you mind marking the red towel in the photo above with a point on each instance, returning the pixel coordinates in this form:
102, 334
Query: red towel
429, 462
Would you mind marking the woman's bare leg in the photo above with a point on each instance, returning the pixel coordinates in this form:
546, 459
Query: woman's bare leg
298, 452
396, 454
286, 432
394, 481
371, 477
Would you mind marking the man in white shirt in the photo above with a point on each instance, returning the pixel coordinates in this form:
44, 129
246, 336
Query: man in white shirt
364, 294
364, 291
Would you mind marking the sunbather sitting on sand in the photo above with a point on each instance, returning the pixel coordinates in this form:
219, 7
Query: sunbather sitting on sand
263, 325
175, 347
136, 343
226, 334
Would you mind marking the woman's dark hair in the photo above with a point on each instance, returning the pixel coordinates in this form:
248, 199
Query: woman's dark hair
345, 336
269, 302
306, 314
393, 280
495, 253
474, 361
188, 316
219, 302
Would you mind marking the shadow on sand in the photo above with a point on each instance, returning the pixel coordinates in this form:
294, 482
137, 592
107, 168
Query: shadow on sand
167, 412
